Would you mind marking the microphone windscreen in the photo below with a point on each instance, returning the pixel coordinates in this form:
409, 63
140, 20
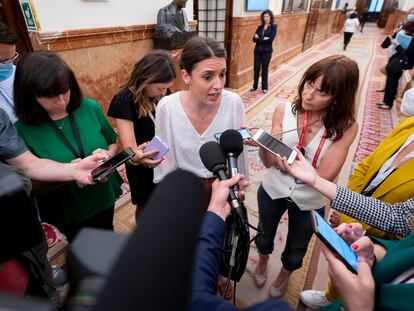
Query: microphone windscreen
154, 270
231, 141
212, 156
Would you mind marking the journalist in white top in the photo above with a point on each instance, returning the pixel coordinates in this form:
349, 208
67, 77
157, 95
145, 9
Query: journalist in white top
321, 123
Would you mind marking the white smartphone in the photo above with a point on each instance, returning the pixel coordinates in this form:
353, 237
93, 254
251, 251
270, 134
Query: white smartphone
274, 145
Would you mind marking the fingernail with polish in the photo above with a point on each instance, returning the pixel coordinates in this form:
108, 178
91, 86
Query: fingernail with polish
350, 226
336, 230
354, 247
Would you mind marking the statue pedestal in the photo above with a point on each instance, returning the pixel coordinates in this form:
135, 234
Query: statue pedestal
178, 84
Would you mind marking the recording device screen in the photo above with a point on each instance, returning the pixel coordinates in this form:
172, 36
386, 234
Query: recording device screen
108, 167
244, 133
273, 145
334, 242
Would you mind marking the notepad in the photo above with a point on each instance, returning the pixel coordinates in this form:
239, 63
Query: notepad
404, 40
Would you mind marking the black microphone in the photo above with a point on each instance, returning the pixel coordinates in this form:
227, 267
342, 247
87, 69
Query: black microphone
231, 143
213, 159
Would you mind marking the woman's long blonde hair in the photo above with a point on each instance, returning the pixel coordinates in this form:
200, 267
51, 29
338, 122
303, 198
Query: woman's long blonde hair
155, 67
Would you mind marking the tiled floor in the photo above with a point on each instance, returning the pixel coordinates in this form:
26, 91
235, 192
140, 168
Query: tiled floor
375, 124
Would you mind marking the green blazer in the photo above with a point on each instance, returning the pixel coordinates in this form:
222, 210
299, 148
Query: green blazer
399, 258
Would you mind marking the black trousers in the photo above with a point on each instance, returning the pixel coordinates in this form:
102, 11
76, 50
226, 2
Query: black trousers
391, 87
347, 37
261, 59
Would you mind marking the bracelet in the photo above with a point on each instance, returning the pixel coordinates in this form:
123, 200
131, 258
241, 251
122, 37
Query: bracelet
132, 162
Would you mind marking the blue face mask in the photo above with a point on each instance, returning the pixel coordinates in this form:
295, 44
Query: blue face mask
6, 71
410, 17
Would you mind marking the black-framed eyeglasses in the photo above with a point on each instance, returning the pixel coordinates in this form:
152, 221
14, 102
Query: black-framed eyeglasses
9, 61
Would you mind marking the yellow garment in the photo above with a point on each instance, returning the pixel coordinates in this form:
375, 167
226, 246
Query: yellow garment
397, 187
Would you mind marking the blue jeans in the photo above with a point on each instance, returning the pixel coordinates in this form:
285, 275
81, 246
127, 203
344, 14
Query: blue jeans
299, 228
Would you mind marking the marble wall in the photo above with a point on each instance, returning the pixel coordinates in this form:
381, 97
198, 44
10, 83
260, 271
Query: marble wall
288, 42
102, 58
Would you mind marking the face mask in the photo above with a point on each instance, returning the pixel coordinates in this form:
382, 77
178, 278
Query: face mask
410, 17
407, 104
6, 71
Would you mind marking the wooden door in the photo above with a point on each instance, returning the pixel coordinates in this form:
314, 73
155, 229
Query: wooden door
214, 20
388, 8
11, 15
311, 24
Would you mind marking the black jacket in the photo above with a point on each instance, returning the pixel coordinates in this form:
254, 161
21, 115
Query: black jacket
265, 45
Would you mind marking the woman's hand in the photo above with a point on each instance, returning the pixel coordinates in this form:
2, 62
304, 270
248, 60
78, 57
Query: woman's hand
256, 35
395, 42
353, 234
357, 291
102, 153
143, 158
220, 193
300, 168
266, 38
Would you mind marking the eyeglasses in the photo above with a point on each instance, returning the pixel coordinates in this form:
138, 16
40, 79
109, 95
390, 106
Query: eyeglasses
9, 61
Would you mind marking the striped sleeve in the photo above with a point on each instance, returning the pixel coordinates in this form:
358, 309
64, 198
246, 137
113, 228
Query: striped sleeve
396, 218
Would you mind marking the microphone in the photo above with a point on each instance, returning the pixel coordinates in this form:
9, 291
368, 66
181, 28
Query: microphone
237, 242
231, 143
213, 159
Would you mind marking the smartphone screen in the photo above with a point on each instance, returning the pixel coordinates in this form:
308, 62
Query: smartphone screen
157, 144
334, 242
244, 133
273, 145
109, 166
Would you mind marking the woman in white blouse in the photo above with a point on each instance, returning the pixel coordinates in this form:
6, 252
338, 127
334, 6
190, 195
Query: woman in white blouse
321, 123
188, 119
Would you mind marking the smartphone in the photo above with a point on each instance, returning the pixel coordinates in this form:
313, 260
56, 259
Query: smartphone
274, 145
244, 133
109, 166
157, 144
334, 242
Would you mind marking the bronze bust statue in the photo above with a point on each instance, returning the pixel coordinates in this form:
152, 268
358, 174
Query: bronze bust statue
172, 30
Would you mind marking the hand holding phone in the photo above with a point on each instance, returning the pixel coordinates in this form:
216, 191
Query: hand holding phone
109, 166
334, 242
274, 145
157, 144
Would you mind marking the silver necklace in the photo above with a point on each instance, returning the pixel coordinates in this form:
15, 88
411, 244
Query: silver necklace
61, 125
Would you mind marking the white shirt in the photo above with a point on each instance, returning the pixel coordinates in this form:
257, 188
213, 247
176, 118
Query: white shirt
175, 129
6, 96
386, 168
278, 185
350, 25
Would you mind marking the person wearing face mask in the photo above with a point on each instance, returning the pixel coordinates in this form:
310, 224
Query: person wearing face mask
387, 175
57, 123
8, 54
134, 111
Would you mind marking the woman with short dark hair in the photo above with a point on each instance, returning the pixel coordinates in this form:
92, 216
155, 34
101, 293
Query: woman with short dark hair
58, 123
264, 36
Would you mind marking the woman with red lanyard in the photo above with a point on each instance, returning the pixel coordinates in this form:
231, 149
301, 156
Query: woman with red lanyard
321, 123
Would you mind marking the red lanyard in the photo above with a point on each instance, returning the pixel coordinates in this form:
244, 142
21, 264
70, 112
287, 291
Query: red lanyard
302, 138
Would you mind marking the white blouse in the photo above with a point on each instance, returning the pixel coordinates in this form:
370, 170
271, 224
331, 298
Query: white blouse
175, 129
